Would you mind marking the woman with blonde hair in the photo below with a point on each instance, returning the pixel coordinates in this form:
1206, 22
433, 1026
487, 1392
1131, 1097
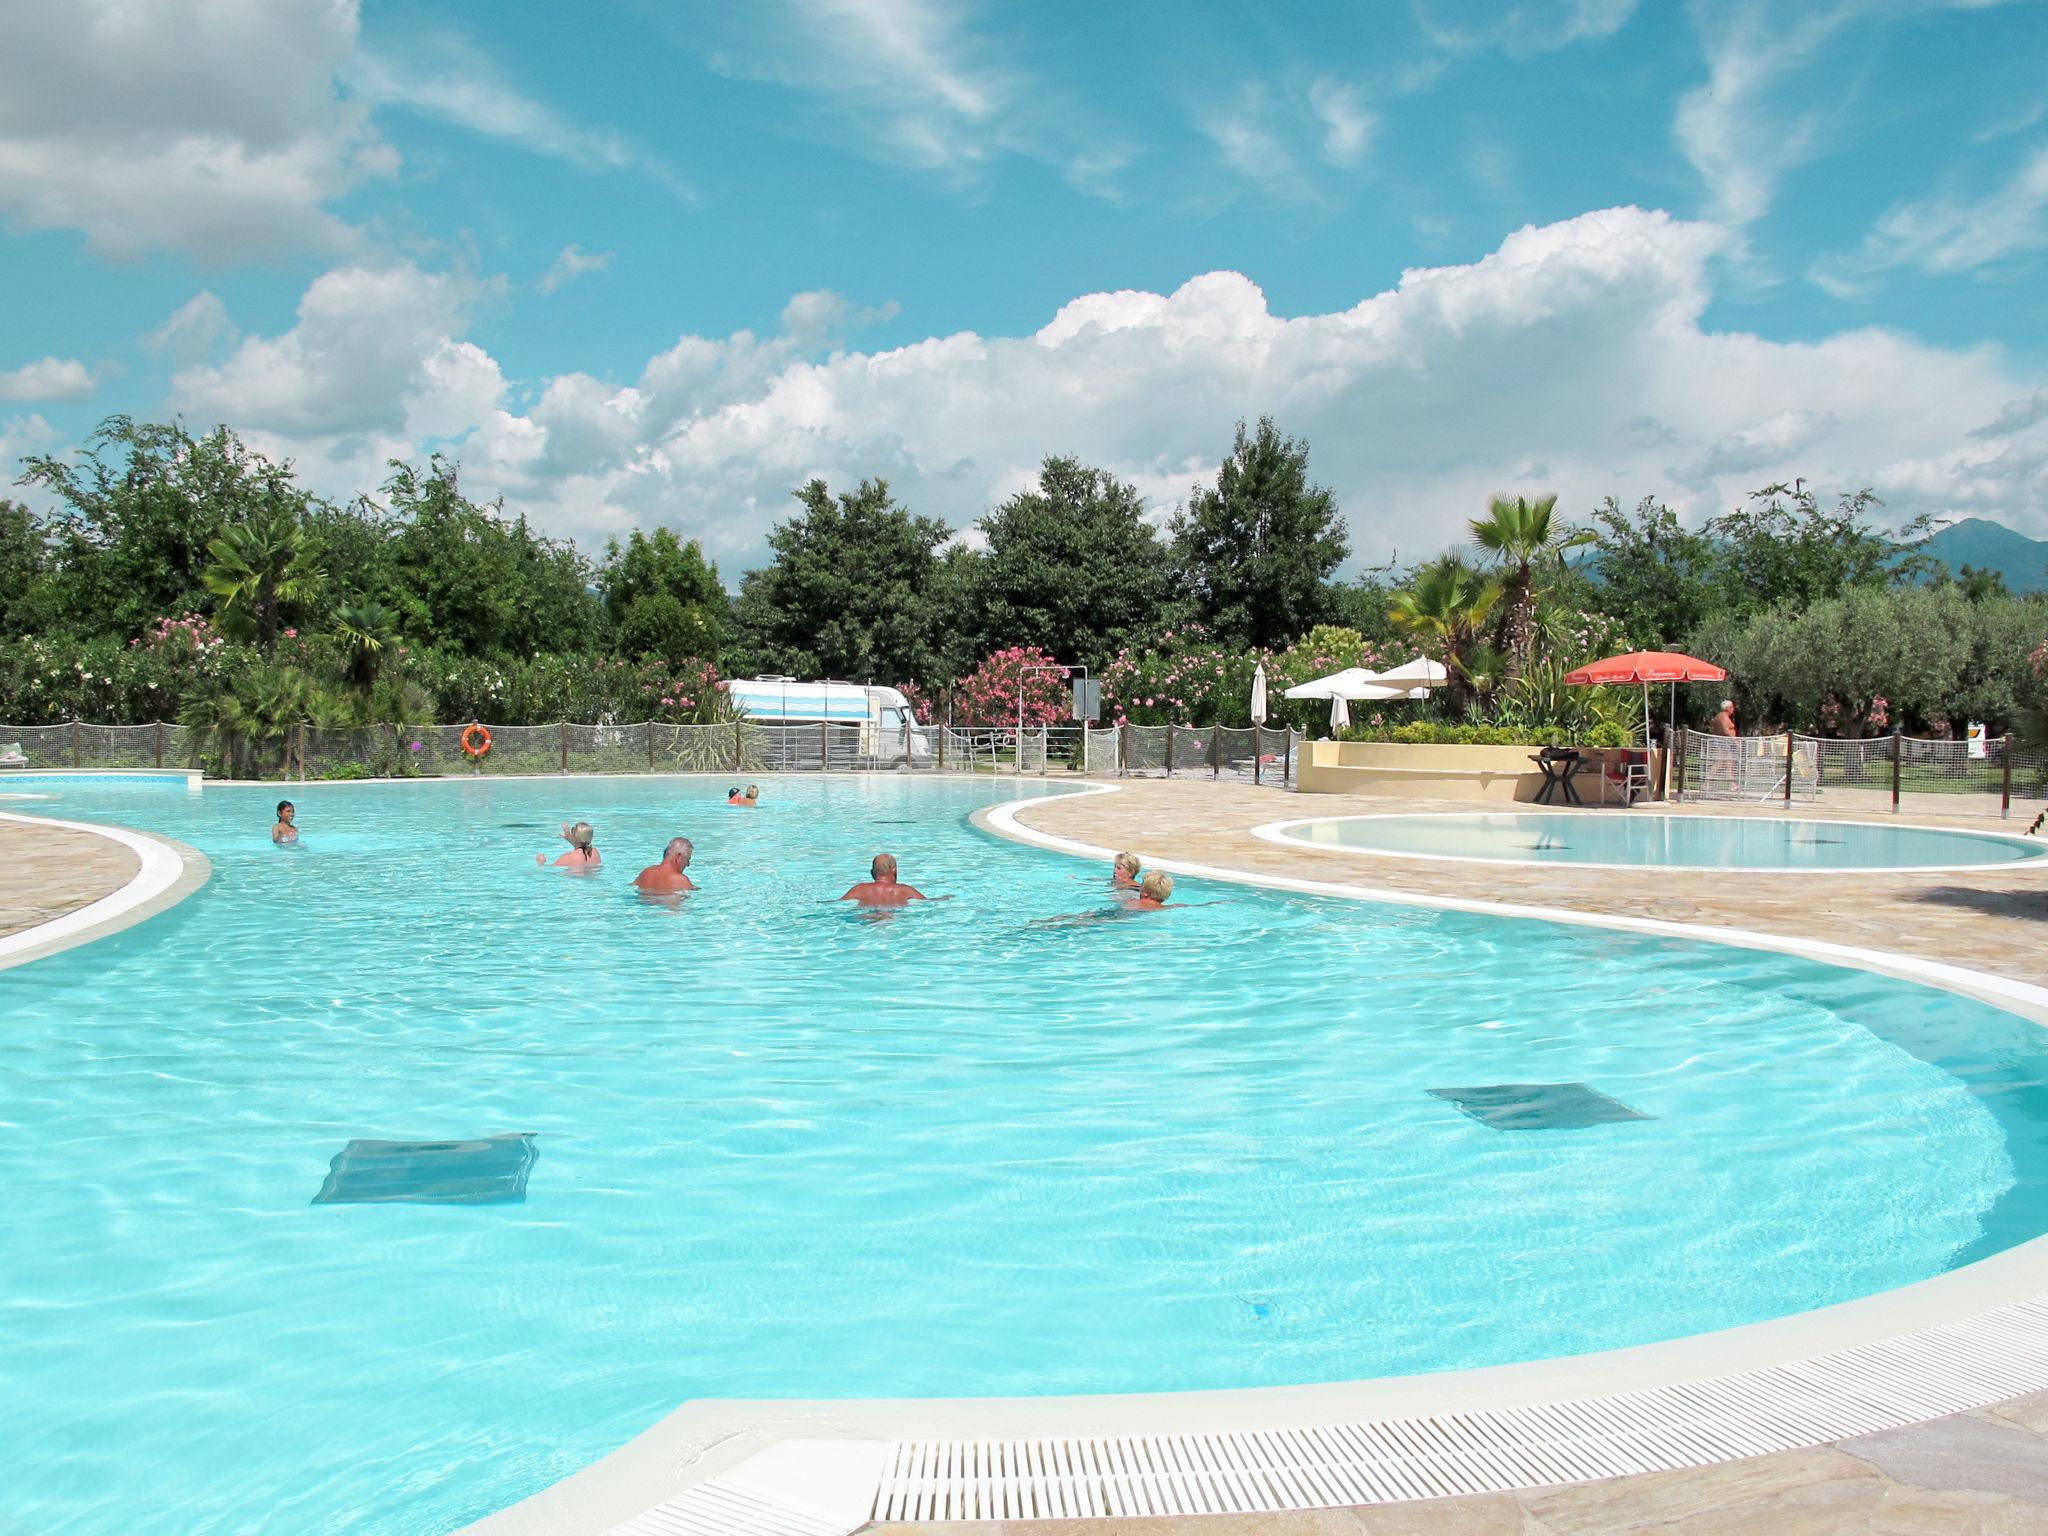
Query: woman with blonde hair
1123, 873
581, 854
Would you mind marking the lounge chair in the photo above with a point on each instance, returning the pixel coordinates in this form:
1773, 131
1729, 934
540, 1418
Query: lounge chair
11, 755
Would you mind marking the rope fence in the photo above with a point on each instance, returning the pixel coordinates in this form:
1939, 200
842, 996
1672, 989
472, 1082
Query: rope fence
1874, 773
305, 752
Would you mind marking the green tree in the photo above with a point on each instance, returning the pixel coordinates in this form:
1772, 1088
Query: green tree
662, 565
367, 632
1071, 566
1785, 547
470, 576
846, 595
1254, 553
260, 567
138, 509
1444, 607
1527, 542
1654, 575
656, 625
24, 561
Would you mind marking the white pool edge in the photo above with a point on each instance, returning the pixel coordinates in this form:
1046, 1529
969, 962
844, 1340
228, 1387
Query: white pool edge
169, 872
1961, 1340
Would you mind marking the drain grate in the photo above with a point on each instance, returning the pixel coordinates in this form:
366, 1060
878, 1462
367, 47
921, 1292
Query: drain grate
488, 1171
1538, 1106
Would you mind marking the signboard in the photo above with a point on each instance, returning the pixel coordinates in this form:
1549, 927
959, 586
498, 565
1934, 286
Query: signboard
1087, 699
1977, 740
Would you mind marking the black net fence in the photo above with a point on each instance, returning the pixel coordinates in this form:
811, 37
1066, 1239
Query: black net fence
1993, 774
306, 752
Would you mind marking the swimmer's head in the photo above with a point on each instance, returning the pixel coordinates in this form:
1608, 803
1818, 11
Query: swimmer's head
733, 793
1158, 885
286, 810
678, 850
753, 791
1127, 865
883, 869
580, 835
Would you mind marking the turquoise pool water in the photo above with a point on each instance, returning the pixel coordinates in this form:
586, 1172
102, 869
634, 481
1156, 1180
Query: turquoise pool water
787, 1150
1649, 839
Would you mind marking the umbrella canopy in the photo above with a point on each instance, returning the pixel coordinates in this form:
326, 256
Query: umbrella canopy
1340, 712
1647, 667
1259, 694
1417, 672
1353, 683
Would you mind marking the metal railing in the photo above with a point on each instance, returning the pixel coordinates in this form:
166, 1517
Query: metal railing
1876, 773
1245, 754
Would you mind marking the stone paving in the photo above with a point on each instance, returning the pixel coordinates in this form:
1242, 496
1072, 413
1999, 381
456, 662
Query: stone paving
53, 870
1976, 1474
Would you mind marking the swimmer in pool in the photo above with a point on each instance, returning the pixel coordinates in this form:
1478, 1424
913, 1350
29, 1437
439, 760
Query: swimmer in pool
1153, 891
581, 854
287, 828
1123, 874
732, 796
667, 877
751, 798
882, 888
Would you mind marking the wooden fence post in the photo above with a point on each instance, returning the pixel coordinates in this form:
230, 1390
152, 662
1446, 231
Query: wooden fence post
945, 730
648, 727
2005, 794
160, 747
1169, 749
1258, 748
562, 730
77, 744
824, 745
1896, 739
1680, 748
739, 748
1788, 767
1287, 758
1216, 751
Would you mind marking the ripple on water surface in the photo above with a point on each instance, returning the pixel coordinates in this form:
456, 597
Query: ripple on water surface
785, 1149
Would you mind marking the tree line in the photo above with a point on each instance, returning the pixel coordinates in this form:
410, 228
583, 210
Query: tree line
151, 522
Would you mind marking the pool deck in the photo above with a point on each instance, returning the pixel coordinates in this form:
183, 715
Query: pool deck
1993, 918
51, 871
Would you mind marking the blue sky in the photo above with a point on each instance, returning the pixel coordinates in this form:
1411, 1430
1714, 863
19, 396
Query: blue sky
650, 262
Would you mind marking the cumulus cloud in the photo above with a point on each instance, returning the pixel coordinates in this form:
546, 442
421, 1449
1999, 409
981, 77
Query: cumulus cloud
195, 329
1572, 359
572, 264
211, 127
50, 378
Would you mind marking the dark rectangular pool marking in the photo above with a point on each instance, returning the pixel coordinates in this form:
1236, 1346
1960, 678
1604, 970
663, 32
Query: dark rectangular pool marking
1538, 1106
488, 1171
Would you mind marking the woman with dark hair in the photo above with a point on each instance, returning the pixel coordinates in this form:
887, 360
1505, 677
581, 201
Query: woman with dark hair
287, 828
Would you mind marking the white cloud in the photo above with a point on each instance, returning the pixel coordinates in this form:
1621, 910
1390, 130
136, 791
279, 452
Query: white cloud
572, 264
374, 347
445, 77
50, 378
1347, 123
1572, 359
1536, 26
211, 127
1745, 128
195, 329
914, 84
1948, 233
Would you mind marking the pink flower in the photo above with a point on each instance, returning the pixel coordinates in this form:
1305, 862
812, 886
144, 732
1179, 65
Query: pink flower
291, 634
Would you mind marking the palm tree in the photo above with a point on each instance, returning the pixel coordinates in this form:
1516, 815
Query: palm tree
1523, 535
366, 631
261, 565
1444, 604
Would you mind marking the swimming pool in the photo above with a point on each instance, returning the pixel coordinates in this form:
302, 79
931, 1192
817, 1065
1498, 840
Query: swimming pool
982, 1148
1637, 838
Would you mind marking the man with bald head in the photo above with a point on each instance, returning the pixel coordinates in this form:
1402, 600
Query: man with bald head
667, 877
882, 888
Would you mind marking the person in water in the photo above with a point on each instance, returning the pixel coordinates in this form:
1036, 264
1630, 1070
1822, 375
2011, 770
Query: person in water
1152, 893
752, 797
882, 888
287, 828
667, 877
581, 854
1123, 874
732, 796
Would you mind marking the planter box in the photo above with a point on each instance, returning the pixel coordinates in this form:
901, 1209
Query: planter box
1391, 768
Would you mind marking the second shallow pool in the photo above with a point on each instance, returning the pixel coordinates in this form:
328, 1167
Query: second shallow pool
1637, 839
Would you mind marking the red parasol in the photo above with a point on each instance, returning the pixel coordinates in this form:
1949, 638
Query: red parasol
1647, 667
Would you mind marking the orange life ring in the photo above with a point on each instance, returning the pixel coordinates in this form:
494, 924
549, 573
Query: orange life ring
476, 740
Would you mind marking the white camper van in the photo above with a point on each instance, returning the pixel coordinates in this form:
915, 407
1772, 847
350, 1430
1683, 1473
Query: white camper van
888, 732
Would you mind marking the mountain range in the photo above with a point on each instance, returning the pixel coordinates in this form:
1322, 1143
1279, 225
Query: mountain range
1987, 546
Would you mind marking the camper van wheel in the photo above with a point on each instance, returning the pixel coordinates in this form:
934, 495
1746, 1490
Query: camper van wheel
901, 765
